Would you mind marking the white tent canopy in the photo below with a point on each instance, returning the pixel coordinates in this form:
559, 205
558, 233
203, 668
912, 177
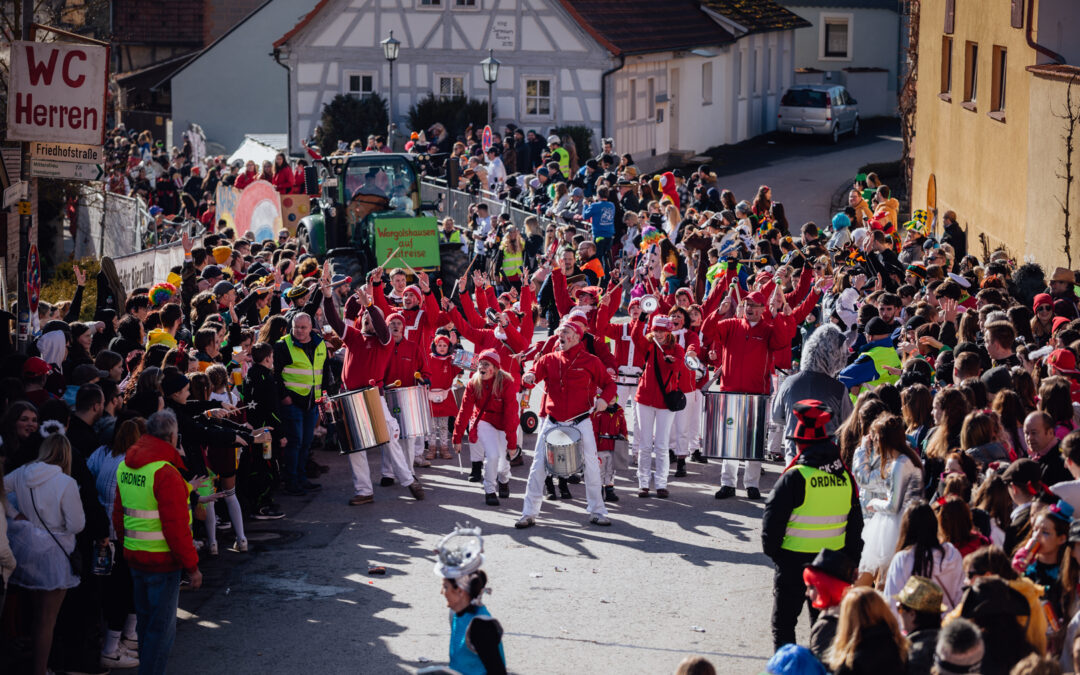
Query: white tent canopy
260, 147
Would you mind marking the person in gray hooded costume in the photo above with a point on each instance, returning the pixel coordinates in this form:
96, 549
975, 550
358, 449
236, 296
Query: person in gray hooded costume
824, 354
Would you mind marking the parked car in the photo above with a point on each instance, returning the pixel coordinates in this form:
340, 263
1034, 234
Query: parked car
815, 109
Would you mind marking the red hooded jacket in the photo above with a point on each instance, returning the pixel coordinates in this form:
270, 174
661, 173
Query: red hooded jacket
499, 410
171, 492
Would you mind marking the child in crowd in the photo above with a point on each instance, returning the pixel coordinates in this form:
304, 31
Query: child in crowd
609, 426
441, 372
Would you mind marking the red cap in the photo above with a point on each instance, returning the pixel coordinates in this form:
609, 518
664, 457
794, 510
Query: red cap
591, 290
442, 338
662, 322
395, 315
573, 325
756, 298
1059, 321
1063, 360
36, 366
1042, 299
492, 356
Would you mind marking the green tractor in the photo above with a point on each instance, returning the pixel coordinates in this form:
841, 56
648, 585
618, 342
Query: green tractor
369, 207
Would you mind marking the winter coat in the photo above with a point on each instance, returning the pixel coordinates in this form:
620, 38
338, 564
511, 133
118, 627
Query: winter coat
609, 426
171, 492
743, 351
441, 371
877, 654
650, 390
499, 410
55, 495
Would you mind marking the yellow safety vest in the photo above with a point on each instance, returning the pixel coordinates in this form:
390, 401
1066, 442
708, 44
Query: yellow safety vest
302, 375
563, 157
142, 522
511, 263
820, 522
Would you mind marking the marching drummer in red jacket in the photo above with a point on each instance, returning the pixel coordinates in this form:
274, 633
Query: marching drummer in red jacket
571, 377
404, 367
440, 372
662, 373
687, 422
741, 348
367, 352
419, 310
489, 411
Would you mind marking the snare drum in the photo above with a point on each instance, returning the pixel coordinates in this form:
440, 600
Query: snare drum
628, 379
464, 360
360, 419
734, 425
412, 410
565, 450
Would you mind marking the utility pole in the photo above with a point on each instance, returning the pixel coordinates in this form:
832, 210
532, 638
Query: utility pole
26, 220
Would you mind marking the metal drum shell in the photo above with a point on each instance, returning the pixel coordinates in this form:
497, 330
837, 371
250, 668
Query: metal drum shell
564, 461
360, 419
411, 407
735, 426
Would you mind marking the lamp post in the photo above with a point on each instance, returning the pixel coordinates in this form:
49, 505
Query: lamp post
490, 69
390, 48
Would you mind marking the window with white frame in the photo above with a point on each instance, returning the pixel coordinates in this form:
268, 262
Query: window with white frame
429, 4
467, 4
835, 37
538, 99
633, 99
650, 98
449, 86
359, 83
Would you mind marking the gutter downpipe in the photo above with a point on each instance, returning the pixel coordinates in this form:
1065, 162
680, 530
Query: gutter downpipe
603, 95
276, 54
1049, 53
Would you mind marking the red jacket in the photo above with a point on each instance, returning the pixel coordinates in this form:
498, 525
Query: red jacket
744, 351
783, 358
499, 410
420, 321
365, 359
626, 353
609, 426
571, 380
690, 341
484, 338
404, 361
171, 492
243, 179
441, 371
283, 180
649, 390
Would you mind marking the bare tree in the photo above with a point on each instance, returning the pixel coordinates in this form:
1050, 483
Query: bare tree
908, 93
1071, 115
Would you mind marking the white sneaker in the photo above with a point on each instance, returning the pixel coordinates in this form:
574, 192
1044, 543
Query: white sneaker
119, 660
240, 546
213, 549
600, 520
131, 644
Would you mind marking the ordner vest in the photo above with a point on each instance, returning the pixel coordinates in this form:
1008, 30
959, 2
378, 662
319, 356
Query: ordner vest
142, 522
882, 356
511, 263
821, 520
301, 375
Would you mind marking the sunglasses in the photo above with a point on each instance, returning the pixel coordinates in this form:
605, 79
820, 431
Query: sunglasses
1044, 308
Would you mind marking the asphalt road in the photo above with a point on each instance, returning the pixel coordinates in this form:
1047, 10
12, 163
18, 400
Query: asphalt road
671, 578
803, 172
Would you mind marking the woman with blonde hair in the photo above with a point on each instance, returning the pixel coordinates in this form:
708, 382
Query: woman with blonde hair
489, 412
868, 639
44, 501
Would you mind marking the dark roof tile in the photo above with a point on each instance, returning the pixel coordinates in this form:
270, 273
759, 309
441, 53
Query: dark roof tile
757, 16
643, 26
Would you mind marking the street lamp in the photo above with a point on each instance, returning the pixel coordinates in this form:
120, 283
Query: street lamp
490, 69
390, 48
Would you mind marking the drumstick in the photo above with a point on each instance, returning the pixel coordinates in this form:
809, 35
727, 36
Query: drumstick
464, 274
390, 257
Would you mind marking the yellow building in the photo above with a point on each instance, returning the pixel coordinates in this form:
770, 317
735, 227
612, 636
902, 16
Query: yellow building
992, 81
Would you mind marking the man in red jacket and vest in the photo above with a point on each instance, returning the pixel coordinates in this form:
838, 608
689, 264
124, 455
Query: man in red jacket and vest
571, 376
741, 347
152, 512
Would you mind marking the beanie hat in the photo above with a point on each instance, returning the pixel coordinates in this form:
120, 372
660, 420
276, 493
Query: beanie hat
661, 322
222, 254
812, 416
395, 315
877, 326
415, 290
174, 382
491, 356
573, 325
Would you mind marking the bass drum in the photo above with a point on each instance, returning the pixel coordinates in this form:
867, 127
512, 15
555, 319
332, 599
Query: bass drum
734, 426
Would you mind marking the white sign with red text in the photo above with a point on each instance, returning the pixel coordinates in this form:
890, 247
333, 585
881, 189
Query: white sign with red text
56, 92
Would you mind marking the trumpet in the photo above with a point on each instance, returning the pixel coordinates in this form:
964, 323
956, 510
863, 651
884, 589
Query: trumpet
649, 304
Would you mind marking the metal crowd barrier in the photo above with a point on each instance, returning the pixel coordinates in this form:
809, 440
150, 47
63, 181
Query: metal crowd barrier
456, 204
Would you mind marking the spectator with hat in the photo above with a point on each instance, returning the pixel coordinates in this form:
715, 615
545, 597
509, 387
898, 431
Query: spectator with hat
959, 648
813, 506
919, 605
827, 578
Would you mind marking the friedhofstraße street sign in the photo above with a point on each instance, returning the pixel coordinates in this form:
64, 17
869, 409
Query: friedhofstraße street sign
56, 92
47, 168
68, 152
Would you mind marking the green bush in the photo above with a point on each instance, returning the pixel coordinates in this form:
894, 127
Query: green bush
454, 113
349, 118
583, 140
62, 285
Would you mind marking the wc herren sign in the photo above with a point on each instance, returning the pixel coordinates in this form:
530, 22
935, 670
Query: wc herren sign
57, 92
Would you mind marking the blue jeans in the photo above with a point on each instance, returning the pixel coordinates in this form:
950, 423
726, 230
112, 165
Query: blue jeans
299, 430
156, 597
603, 252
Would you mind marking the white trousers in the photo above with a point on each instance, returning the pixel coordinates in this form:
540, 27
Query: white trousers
729, 474
395, 463
652, 452
686, 430
534, 491
493, 443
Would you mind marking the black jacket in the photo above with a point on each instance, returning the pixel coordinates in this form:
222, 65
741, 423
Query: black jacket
790, 492
876, 654
283, 358
823, 631
921, 651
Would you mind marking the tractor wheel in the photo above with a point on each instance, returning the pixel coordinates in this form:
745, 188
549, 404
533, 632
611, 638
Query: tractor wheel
303, 238
529, 422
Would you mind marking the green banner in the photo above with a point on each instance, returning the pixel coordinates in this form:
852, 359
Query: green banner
417, 237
